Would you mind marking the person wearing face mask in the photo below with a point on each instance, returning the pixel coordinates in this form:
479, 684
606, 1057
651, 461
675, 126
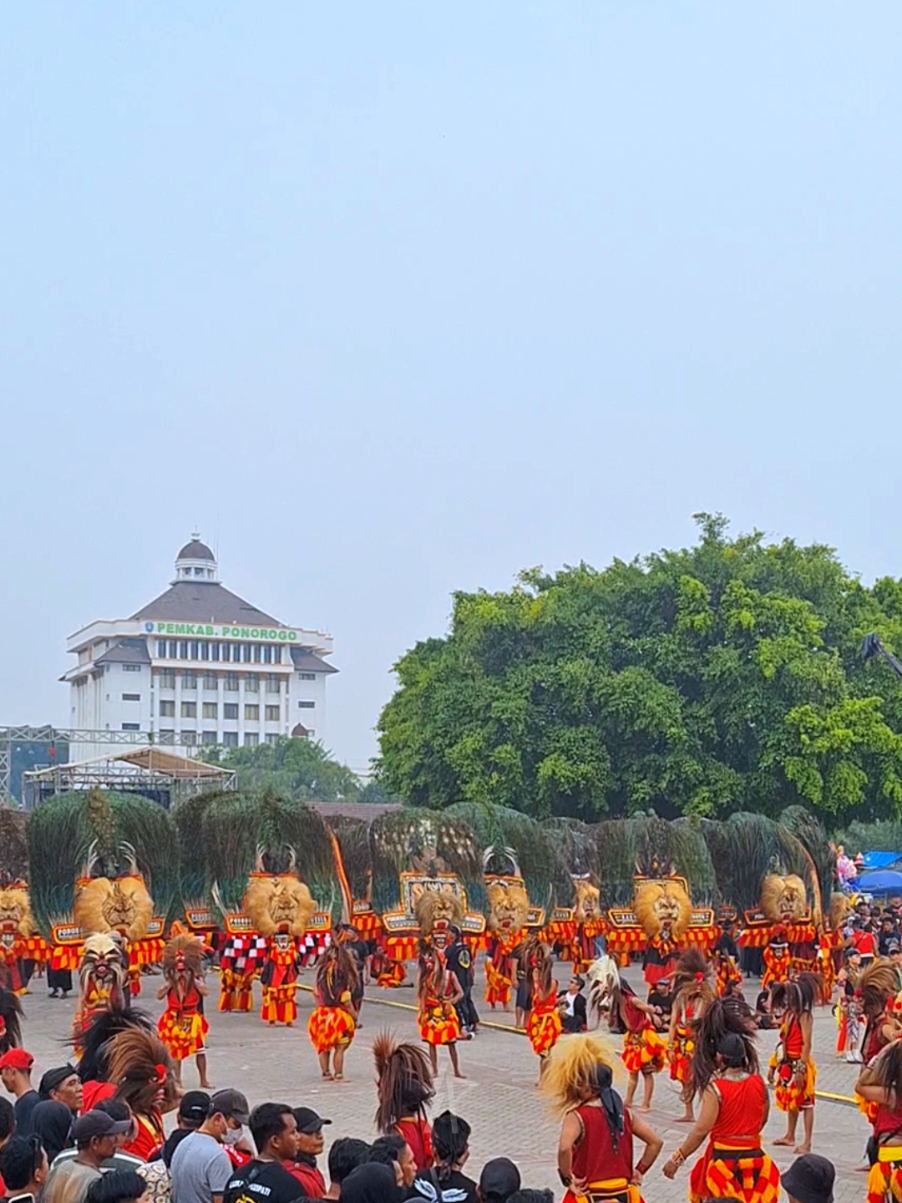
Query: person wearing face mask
200, 1167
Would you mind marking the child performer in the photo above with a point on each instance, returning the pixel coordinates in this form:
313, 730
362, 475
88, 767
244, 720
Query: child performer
693, 992
437, 992
332, 1022
644, 1049
734, 1107
182, 1025
795, 1069
595, 1153
544, 1024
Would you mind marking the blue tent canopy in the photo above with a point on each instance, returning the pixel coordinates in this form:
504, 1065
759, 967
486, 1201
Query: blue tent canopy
880, 860
881, 881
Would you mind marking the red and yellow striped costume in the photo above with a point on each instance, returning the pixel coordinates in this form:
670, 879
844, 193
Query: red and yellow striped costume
182, 1027
544, 1024
644, 1051
497, 983
329, 1027
789, 1096
736, 1167
437, 1021
885, 1176
279, 981
682, 1048
777, 964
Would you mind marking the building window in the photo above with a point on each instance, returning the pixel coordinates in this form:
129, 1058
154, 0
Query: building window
251, 739
131, 726
267, 654
230, 739
131, 668
131, 697
251, 683
211, 710
208, 737
231, 682
277, 654
198, 572
183, 649
167, 709
189, 709
211, 681
189, 738
166, 679
273, 683
272, 739
189, 680
203, 650
214, 651
161, 649
167, 736
256, 649
252, 713
230, 710
173, 650
306, 676
306, 705
272, 714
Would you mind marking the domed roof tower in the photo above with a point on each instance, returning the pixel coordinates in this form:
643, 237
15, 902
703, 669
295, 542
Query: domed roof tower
195, 562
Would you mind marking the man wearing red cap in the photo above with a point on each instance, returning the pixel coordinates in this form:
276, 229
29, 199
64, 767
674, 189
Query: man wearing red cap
15, 1073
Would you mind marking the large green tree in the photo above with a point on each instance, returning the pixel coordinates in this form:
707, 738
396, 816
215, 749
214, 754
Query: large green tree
291, 768
721, 677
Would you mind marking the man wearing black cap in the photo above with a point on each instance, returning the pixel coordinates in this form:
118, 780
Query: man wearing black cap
310, 1144
96, 1138
810, 1179
200, 1166
499, 1179
62, 1085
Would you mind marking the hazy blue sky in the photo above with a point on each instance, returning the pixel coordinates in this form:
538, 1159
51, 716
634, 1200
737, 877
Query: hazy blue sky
396, 299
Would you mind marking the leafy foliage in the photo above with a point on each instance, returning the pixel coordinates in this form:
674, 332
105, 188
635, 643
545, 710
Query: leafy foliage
291, 768
718, 678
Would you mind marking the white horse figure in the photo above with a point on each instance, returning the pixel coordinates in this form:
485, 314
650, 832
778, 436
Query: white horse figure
604, 979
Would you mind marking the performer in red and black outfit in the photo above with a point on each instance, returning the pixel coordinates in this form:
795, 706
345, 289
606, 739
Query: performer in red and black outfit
795, 1069
595, 1152
644, 1049
405, 1090
734, 1107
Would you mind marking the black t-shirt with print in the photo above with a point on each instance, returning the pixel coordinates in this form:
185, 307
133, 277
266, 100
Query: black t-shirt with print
456, 1188
262, 1182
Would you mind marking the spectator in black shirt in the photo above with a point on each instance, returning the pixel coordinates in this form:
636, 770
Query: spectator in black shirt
888, 934
459, 960
450, 1145
264, 1179
572, 1006
660, 997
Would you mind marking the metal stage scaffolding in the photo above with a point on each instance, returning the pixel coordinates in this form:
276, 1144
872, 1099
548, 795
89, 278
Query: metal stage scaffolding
52, 737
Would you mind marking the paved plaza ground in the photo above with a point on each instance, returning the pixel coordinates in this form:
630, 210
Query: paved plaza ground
498, 1098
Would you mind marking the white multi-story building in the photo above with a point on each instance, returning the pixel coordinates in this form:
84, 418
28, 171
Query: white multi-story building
198, 665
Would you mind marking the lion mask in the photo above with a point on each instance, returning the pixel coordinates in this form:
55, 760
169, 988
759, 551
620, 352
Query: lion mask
588, 902
663, 905
279, 902
839, 911
508, 906
783, 899
119, 904
436, 906
15, 915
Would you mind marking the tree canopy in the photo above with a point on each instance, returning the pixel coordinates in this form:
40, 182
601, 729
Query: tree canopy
721, 677
298, 769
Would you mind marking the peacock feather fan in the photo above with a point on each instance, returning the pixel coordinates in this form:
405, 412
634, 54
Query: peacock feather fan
62, 832
13, 845
512, 835
576, 848
289, 834
811, 835
188, 817
745, 849
432, 841
618, 844
352, 836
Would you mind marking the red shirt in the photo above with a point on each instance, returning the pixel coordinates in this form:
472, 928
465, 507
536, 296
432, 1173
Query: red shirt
865, 942
418, 1135
312, 1181
742, 1107
594, 1158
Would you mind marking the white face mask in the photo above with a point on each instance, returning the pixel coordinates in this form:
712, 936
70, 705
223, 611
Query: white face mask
231, 1136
